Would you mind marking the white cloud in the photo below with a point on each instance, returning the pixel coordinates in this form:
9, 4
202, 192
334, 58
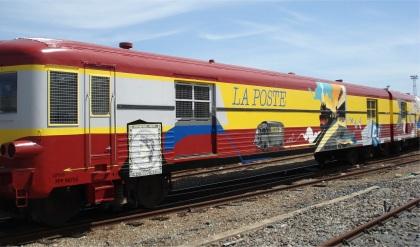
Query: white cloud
246, 29
374, 48
250, 28
368, 56
98, 14
296, 17
227, 36
140, 35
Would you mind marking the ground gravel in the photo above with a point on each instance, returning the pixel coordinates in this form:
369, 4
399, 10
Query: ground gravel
318, 225
401, 231
306, 229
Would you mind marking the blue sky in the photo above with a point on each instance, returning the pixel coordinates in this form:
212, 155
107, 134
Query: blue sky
374, 43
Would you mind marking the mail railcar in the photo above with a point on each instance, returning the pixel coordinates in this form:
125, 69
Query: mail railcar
83, 124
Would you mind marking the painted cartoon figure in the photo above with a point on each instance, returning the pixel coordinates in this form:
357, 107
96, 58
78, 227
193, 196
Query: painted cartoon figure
334, 133
370, 134
417, 111
403, 125
326, 118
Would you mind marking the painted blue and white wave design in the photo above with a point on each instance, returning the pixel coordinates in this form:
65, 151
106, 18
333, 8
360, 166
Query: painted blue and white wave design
184, 130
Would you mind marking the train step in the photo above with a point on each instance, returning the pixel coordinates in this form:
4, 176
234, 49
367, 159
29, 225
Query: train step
99, 175
21, 198
101, 192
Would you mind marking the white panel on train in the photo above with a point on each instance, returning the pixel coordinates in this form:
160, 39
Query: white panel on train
145, 149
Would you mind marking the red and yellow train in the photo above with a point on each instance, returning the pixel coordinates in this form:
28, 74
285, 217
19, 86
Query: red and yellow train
83, 124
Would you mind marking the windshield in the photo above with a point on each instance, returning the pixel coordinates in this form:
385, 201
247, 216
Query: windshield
8, 92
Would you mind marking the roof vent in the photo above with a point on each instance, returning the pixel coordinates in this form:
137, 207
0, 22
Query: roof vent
339, 80
126, 45
291, 73
212, 61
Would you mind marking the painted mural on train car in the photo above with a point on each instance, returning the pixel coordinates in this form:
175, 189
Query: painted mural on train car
269, 134
416, 111
334, 133
335, 129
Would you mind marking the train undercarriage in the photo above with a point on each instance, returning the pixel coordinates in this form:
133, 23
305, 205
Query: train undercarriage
148, 192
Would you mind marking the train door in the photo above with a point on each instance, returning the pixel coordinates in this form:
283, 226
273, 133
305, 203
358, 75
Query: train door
403, 117
99, 109
195, 129
372, 123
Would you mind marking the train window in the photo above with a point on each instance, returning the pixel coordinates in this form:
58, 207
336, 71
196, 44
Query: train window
372, 110
201, 101
100, 95
63, 98
183, 91
202, 109
8, 93
192, 101
201, 93
403, 108
184, 109
404, 114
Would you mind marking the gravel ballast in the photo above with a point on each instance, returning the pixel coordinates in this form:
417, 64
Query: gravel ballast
401, 231
318, 225
310, 228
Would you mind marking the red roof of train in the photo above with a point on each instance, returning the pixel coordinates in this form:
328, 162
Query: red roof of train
78, 54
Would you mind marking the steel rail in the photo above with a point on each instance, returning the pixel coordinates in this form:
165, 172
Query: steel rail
274, 173
195, 172
359, 229
237, 181
262, 161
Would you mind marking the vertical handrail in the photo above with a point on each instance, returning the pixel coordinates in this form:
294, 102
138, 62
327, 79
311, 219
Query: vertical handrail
114, 135
85, 122
391, 113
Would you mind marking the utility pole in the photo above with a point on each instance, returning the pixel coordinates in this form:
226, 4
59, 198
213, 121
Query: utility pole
414, 78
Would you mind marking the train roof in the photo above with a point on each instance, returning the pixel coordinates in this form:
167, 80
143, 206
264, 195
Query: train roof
78, 54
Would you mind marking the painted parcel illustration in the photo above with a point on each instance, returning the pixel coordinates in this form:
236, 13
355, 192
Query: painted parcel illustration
269, 134
334, 133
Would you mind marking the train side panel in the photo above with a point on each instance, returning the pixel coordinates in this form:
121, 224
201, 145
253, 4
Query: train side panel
369, 120
403, 119
242, 120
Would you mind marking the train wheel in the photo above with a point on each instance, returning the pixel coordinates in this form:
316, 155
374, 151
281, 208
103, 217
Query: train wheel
58, 208
397, 148
385, 149
352, 157
151, 190
320, 159
367, 153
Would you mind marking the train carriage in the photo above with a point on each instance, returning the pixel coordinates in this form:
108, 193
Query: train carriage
82, 124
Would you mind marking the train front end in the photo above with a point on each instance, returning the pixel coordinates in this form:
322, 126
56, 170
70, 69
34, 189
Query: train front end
20, 139
22, 107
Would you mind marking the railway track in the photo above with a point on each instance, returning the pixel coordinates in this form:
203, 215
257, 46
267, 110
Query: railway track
353, 233
250, 164
303, 170
212, 195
